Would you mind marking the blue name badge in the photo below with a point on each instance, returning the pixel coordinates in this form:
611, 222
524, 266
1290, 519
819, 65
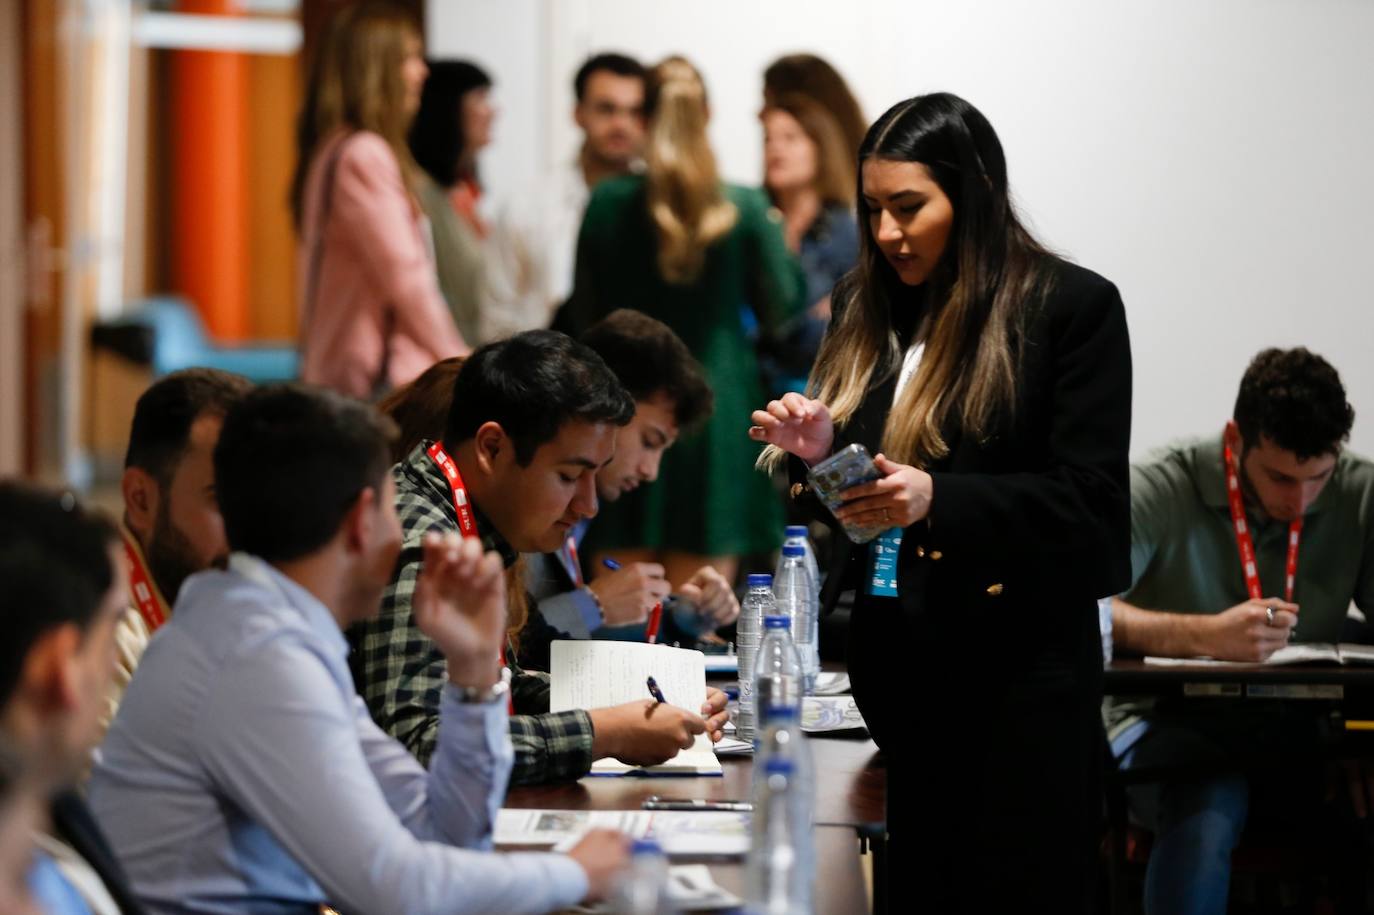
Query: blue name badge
881, 579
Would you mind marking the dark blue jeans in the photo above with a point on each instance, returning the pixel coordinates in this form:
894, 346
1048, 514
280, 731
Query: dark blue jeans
1217, 769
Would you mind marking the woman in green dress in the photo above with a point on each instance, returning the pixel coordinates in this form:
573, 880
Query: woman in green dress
697, 254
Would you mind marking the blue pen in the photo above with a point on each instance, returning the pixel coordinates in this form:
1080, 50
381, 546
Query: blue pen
655, 691
611, 564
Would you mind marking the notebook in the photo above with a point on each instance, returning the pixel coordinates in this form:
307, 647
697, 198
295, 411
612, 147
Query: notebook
594, 674
1345, 653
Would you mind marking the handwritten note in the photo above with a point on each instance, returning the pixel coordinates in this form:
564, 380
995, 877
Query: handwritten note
595, 674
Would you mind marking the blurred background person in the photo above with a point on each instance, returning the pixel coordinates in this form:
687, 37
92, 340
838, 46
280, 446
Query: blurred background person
809, 75
372, 313
534, 239
683, 247
453, 123
809, 175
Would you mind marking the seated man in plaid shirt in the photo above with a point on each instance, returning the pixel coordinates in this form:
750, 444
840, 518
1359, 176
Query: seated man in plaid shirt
532, 420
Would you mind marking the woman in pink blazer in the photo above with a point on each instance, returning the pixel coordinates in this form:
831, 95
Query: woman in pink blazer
372, 315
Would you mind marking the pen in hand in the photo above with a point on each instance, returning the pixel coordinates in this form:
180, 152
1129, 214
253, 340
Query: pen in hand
655, 691
655, 615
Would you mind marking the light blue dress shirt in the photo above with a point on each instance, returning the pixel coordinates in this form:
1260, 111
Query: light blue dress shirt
243, 774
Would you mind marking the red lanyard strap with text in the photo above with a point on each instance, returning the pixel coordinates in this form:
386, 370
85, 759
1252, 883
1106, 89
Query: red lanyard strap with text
1245, 543
467, 524
145, 597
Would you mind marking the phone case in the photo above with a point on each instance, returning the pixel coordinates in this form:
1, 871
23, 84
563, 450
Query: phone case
845, 468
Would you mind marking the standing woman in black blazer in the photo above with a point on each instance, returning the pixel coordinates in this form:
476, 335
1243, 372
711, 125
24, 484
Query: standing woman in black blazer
992, 381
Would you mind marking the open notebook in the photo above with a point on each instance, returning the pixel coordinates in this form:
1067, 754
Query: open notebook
1303, 653
593, 674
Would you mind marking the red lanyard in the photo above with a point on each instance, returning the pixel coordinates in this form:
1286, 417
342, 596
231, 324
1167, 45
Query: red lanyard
570, 556
1246, 544
466, 522
144, 594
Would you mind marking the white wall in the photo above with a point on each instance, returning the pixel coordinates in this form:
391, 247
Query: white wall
1215, 159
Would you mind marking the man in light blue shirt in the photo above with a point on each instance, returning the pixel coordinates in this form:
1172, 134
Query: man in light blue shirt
243, 773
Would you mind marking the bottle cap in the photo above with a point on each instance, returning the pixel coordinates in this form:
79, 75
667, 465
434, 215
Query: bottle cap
794, 530
776, 622
793, 549
760, 580
645, 847
773, 713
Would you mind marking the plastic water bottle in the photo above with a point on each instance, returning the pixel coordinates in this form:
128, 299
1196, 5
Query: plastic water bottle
778, 679
779, 870
796, 600
778, 672
778, 699
797, 533
758, 603
644, 889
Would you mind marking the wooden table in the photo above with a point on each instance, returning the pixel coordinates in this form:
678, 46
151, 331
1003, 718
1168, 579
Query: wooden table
851, 787
1349, 687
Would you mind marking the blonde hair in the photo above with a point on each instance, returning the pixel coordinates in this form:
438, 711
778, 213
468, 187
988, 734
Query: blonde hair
356, 83
686, 204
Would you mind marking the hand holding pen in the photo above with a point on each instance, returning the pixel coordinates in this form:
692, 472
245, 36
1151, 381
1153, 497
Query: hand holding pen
632, 593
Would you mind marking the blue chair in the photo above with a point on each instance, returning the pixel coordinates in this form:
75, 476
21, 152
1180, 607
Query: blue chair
167, 334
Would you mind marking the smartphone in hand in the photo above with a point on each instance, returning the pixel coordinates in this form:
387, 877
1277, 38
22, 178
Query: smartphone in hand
845, 468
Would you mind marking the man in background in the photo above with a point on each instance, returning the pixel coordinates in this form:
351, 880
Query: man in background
172, 524
1240, 543
671, 395
533, 244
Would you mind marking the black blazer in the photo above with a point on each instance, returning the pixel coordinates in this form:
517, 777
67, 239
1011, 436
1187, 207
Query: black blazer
1032, 524
982, 683
72, 823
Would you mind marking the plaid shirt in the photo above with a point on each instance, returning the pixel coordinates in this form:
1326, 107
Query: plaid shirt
403, 671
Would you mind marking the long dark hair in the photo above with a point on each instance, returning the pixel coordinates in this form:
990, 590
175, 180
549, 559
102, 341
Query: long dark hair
977, 298
436, 135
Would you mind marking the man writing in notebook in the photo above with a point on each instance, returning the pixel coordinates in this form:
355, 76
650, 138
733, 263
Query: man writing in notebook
532, 420
1240, 543
671, 395
244, 774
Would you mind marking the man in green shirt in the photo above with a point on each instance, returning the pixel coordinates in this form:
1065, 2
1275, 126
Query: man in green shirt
1301, 503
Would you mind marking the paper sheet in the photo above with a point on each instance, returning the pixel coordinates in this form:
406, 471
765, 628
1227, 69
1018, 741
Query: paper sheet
831, 684
710, 833
594, 674
829, 714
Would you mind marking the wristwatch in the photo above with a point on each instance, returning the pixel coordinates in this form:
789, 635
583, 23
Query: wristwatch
478, 695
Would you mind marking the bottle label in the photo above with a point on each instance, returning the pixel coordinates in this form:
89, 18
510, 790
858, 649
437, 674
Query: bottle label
881, 579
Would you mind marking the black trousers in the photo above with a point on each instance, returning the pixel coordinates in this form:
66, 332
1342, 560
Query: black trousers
994, 784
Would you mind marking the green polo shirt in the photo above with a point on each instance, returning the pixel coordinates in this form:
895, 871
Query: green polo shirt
1184, 557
